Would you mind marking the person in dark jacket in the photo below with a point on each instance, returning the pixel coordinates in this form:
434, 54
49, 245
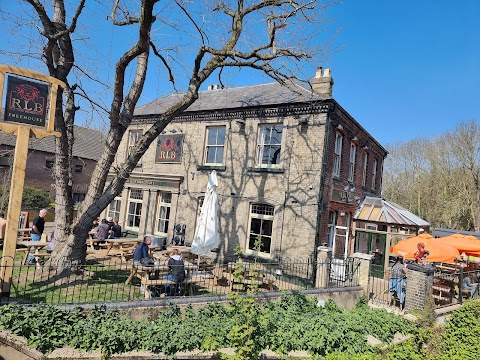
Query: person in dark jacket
141, 254
116, 231
177, 271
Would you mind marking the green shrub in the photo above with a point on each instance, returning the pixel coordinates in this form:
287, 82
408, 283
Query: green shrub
461, 339
293, 323
34, 198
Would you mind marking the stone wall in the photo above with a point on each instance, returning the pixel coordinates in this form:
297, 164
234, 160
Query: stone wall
292, 189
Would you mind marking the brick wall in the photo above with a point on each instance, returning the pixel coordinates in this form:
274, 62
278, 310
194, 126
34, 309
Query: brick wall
419, 289
39, 176
351, 132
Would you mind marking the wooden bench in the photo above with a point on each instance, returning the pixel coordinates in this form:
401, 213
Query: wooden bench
443, 290
143, 273
268, 280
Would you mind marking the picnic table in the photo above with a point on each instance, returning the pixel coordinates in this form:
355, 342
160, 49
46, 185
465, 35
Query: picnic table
122, 246
38, 246
154, 275
24, 234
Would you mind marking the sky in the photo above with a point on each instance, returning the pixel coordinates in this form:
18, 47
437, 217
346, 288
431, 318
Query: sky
403, 69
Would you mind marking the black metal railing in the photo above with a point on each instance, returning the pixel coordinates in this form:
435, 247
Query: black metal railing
111, 280
378, 287
448, 287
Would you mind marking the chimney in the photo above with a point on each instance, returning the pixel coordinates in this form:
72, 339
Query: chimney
323, 83
214, 87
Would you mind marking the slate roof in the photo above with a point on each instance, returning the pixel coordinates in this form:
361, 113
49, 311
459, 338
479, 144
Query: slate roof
237, 97
440, 232
379, 210
88, 143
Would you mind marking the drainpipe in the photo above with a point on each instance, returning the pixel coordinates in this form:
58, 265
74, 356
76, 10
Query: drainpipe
320, 194
147, 212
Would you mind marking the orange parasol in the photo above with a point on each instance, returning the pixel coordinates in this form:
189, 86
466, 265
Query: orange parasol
468, 244
439, 252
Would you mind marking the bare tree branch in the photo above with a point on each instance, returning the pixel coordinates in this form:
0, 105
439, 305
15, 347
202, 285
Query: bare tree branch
164, 61
192, 20
84, 94
76, 16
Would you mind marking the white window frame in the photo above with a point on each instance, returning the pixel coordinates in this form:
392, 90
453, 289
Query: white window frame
365, 167
164, 210
133, 136
261, 144
353, 157
137, 202
114, 208
374, 174
262, 217
216, 146
337, 161
332, 223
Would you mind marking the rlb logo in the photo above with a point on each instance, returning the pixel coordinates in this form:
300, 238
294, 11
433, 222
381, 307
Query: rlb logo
26, 101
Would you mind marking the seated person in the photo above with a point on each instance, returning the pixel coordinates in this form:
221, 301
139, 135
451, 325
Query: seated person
421, 254
115, 231
470, 286
95, 223
177, 270
110, 222
102, 231
141, 255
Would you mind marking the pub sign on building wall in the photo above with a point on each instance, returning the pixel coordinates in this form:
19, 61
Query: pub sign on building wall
169, 149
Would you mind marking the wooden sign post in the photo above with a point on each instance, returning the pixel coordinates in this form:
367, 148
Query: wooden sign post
29, 95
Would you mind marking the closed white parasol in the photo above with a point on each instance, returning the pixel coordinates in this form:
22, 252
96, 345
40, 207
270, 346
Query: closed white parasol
206, 233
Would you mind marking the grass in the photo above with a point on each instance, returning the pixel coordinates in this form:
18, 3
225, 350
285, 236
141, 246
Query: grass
96, 282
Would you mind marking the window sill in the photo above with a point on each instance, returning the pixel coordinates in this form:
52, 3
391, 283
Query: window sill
259, 169
254, 255
220, 168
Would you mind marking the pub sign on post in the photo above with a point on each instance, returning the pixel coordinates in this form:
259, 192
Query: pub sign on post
26, 102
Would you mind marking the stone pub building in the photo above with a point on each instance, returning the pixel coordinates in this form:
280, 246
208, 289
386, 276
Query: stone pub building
292, 168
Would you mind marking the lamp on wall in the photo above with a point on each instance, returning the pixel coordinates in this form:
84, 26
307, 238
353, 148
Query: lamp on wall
240, 122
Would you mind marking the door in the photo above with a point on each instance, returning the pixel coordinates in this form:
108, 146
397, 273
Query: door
372, 243
339, 253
